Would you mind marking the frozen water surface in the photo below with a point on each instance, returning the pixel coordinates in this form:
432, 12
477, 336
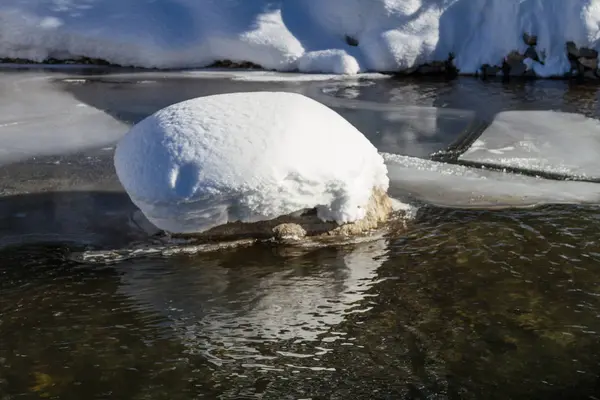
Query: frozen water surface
449, 185
59, 130
385, 319
37, 118
551, 142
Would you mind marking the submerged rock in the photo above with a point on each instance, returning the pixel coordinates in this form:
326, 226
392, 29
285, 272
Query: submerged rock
530, 40
297, 226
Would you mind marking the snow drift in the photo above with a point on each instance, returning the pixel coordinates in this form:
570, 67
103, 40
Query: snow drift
247, 157
338, 36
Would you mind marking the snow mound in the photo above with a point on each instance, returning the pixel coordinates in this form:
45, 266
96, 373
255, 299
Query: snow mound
336, 61
247, 157
381, 35
551, 142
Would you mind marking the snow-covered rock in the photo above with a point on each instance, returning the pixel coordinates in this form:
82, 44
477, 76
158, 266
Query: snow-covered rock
386, 35
250, 157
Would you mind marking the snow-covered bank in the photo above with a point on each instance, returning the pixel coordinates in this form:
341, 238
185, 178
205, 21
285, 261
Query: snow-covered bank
333, 36
250, 157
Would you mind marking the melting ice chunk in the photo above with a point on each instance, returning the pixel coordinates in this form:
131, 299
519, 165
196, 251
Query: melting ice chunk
459, 186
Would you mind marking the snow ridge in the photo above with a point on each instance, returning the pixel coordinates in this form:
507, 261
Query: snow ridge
330, 36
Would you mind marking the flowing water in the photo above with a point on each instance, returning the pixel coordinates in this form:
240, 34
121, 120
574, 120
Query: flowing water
467, 304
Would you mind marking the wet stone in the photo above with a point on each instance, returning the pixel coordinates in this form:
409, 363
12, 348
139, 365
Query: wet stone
588, 53
530, 40
572, 50
531, 53
591, 63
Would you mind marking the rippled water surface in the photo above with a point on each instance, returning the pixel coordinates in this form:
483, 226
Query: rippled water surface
467, 304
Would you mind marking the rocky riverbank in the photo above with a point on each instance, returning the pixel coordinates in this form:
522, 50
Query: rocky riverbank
527, 64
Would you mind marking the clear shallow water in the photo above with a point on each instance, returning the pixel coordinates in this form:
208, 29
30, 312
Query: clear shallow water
467, 304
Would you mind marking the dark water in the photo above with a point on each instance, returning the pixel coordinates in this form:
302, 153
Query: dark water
465, 305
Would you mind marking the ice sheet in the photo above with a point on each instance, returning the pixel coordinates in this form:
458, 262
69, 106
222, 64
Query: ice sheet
542, 141
449, 185
37, 118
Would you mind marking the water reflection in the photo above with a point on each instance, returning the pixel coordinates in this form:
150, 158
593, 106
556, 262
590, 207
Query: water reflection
228, 308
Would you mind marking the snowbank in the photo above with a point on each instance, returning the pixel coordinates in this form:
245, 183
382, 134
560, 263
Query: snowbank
247, 157
338, 36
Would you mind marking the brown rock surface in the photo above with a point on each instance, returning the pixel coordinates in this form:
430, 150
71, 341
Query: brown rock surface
296, 226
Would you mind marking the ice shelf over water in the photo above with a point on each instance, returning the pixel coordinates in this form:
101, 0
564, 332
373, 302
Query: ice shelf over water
541, 141
247, 157
450, 185
337, 36
36, 118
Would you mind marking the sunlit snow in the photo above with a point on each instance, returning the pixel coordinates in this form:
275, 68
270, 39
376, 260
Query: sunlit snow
247, 157
336, 36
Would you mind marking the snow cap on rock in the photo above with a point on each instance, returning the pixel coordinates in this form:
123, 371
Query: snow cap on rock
247, 157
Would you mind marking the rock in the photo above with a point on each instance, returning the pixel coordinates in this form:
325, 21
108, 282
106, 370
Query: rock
489, 70
433, 68
446, 68
591, 74
411, 70
518, 69
532, 53
379, 211
588, 53
289, 231
235, 65
514, 56
212, 161
530, 40
350, 41
591, 63
297, 226
572, 50
513, 66
529, 73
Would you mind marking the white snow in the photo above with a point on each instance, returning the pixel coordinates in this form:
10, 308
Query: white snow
305, 34
336, 61
543, 141
247, 157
